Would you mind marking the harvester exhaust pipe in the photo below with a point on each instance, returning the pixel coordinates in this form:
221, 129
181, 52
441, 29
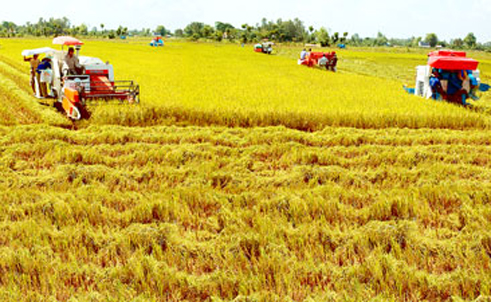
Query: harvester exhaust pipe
77, 48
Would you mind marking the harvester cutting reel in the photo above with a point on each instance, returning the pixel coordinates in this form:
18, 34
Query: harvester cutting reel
81, 89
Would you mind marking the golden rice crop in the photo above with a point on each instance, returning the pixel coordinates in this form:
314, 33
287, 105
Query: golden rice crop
180, 207
223, 84
265, 214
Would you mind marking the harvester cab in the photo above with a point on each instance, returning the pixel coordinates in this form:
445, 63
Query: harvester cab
70, 90
450, 76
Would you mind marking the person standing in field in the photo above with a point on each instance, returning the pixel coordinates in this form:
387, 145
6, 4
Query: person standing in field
436, 86
308, 58
44, 73
334, 62
34, 61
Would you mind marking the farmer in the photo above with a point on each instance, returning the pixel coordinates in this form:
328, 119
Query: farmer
34, 61
473, 85
303, 54
303, 57
323, 61
333, 62
455, 90
44, 73
436, 86
74, 67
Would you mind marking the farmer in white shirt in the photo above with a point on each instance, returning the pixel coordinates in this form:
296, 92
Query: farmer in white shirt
323, 61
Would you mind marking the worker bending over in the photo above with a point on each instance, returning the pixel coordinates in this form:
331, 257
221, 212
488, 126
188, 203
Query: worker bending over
323, 62
34, 61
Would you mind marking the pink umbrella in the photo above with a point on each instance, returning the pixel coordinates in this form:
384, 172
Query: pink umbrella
67, 40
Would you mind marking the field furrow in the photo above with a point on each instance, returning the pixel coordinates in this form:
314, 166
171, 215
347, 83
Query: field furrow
264, 212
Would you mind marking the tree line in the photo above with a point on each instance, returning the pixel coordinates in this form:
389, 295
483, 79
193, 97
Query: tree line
62, 26
279, 31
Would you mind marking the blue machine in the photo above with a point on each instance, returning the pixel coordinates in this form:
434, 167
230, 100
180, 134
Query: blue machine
449, 75
157, 41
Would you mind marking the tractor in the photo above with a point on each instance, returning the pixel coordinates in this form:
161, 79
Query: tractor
450, 76
71, 92
314, 57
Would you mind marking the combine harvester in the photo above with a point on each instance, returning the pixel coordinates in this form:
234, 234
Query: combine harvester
157, 41
71, 92
314, 57
450, 76
266, 47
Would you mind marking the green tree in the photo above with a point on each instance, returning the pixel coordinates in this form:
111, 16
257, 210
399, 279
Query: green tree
356, 40
432, 39
161, 30
119, 31
218, 35
457, 43
83, 30
470, 40
223, 27
335, 38
323, 37
344, 38
194, 30
207, 31
381, 40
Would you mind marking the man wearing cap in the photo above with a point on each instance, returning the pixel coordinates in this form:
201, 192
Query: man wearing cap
34, 61
74, 67
44, 67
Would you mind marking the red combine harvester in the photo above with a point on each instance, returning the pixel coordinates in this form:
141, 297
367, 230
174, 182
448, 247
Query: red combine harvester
72, 91
314, 57
266, 47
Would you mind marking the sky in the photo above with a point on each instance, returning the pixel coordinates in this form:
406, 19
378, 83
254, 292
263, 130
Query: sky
396, 19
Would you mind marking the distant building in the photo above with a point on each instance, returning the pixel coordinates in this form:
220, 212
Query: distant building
424, 44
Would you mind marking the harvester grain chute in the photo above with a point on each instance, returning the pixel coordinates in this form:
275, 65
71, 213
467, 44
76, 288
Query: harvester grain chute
450, 76
71, 91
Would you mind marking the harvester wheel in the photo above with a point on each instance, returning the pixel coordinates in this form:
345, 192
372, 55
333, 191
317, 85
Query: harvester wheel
58, 106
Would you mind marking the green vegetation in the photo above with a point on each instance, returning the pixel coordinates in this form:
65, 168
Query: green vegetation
274, 30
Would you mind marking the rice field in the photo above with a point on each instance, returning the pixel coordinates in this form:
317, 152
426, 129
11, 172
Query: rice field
244, 177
